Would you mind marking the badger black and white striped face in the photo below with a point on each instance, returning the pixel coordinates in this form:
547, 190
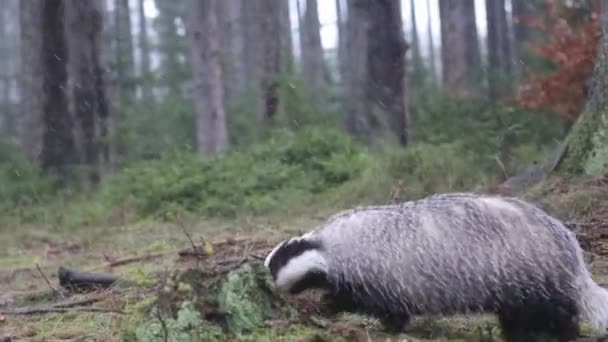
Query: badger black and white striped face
297, 264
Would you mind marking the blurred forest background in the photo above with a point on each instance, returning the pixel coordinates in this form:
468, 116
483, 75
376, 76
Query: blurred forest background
118, 109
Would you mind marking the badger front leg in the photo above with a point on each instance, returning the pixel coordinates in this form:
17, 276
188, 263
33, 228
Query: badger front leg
394, 323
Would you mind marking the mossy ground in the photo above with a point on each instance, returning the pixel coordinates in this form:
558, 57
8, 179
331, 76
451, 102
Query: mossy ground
21, 284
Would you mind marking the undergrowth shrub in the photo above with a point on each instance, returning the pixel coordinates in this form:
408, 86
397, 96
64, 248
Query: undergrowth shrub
287, 167
428, 168
21, 182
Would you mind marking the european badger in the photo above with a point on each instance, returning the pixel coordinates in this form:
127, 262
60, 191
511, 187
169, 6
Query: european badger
448, 254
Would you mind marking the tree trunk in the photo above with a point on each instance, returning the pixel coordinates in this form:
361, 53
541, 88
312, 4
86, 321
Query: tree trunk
587, 143
499, 48
84, 27
376, 69
521, 9
125, 64
204, 36
432, 61
31, 69
341, 18
286, 39
172, 47
416, 55
271, 59
58, 148
231, 18
144, 47
313, 64
460, 53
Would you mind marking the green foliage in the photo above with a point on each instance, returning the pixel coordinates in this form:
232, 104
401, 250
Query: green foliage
188, 326
149, 130
481, 127
248, 306
287, 167
427, 168
21, 182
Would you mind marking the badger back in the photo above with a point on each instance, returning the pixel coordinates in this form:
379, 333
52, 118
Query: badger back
448, 252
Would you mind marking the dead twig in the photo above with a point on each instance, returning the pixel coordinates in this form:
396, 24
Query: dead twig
54, 307
132, 259
43, 310
48, 282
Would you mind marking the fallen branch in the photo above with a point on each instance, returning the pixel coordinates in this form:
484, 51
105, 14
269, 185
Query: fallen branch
54, 307
43, 310
132, 259
83, 281
182, 252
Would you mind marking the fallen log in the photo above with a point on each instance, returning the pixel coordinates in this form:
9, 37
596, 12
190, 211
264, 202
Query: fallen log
74, 280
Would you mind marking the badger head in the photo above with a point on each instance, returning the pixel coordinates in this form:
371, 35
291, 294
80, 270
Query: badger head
298, 264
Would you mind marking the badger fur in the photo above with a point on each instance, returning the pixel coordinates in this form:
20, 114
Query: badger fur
455, 253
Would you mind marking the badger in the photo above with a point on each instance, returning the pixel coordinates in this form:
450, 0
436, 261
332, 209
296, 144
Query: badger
447, 254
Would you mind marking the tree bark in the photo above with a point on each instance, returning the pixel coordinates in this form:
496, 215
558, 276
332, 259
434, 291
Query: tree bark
272, 57
144, 47
499, 48
84, 21
432, 61
31, 69
460, 54
230, 14
521, 9
313, 63
377, 69
125, 64
204, 36
416, 55
341, 18
59, 152
587, 143
172, 48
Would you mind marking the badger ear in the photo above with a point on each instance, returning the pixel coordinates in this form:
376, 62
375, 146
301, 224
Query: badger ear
272, 253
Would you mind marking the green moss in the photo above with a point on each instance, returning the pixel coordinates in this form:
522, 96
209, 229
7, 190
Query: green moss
243, 297
597, 160
188, 326
296, 332
579, 144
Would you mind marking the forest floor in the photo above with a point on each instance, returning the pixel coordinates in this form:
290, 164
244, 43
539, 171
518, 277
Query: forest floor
34, 307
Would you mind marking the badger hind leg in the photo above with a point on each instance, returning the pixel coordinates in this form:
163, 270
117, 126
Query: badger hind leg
540, 318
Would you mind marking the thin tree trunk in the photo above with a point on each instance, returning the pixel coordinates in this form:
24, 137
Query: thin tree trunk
84, 27
499, 48
416, 56
313, 64
356, 66
341, 18
460, 54
230, 14
271, 59
125, 64
204, 36
31, 79
144, 48
432, 57
521, 10
58, 148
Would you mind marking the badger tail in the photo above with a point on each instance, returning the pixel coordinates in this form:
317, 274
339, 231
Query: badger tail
594, 303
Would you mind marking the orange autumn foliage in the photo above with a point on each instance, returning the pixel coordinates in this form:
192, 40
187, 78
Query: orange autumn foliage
572, 50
